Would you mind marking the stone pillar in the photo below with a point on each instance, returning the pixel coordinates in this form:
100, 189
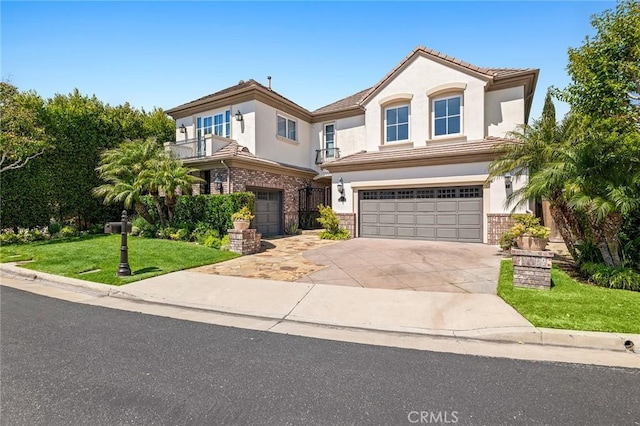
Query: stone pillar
244, 242
348, 221
498, 224
532, 269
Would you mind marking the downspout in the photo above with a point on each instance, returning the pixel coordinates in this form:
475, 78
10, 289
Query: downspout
228, 176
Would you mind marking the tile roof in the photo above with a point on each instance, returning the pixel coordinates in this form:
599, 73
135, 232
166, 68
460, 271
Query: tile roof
241, 86
234, 150
486, 145
349, 101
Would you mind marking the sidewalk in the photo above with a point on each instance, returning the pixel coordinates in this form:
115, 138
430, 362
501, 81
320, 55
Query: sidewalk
345, 313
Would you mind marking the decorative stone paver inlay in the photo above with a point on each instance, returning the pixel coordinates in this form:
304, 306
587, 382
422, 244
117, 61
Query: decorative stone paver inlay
279, 259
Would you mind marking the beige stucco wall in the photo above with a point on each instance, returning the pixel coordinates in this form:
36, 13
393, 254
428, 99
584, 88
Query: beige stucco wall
417, 79
272, 147
504, 110
350, 136
243, 132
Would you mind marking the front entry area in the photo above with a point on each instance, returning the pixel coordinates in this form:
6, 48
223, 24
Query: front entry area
446, 213
268, 220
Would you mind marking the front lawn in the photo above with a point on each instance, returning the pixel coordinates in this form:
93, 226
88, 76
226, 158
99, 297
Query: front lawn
572, 305
96, 258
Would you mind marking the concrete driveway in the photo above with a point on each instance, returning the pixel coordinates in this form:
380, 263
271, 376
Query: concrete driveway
407, 265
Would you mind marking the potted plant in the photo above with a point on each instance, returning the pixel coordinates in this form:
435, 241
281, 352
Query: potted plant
242, 218
528, 234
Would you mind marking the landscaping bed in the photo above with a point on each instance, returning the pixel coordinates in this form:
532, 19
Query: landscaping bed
571, 304
96, 258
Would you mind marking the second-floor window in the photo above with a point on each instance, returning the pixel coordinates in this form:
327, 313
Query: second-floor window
397, 123
447, 116
286, 128
217, 124
329, 139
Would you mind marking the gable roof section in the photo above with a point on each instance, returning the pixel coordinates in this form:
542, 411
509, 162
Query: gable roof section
241, 92
506, 77
446, 153
497, 78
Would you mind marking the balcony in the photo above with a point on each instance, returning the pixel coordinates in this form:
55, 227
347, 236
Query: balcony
197, 148
327, 154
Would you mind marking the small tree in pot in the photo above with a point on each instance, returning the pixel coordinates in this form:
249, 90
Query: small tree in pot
242, 218
527, 234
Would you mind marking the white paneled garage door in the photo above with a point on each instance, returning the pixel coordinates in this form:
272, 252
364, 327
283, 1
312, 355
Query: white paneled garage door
448, 213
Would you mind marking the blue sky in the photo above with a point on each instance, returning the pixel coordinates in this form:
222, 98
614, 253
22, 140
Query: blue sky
167, 53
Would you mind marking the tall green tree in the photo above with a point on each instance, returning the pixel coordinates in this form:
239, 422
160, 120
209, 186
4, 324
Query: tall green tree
22, 132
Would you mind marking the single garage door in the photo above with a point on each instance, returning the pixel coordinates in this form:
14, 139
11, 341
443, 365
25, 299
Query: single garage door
448, 213
268, 212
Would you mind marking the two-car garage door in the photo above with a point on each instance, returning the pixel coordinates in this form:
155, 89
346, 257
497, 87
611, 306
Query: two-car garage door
448, 213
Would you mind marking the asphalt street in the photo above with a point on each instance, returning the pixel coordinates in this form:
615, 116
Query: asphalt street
72, 364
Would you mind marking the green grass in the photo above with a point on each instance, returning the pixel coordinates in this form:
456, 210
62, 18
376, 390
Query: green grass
77, 257
572, 305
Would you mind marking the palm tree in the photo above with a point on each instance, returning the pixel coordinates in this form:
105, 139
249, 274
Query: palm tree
120, 168
536, 151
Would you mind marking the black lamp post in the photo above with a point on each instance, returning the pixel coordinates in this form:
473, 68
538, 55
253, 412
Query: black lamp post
123, 268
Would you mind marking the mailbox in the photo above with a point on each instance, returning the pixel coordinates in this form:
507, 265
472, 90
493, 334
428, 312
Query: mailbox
116, 228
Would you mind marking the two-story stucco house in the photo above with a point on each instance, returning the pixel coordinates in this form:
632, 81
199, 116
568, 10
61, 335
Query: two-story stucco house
406, 158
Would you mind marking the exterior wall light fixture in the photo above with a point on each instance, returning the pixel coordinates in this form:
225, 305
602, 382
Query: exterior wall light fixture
340, 188
239, 116
507, 181
182, 128
218, 184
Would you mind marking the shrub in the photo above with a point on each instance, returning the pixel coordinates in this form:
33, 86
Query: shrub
212, 241
37, 235
96, 229
9, 237
140, 227
68, 231
165, 233
291, 228
54, 228
199, 231
328, 219
225, 243
181, 235
612, 277
340, 234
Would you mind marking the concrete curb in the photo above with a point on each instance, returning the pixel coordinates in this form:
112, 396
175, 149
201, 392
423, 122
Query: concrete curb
525, 335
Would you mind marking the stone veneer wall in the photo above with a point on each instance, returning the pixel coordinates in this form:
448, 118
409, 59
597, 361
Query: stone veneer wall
245, 179
348, 221
244, 242
289, 185
498, 223
532, 269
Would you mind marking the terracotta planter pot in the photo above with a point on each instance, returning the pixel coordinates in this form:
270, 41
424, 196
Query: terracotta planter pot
526, 242
241, 225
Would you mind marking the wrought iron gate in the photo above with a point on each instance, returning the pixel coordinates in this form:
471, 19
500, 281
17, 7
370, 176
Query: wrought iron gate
308, 200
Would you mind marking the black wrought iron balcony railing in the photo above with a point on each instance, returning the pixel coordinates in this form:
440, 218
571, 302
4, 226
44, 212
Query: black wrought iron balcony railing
327, 154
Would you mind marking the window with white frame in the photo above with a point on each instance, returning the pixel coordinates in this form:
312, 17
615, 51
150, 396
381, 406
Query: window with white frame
329, 139
396, 123
286, 128
217, 124
447, 116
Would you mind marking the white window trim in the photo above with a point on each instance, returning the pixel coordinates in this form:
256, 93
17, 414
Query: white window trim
324, 136
213, 125
288, 119
433, 116
384, 124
